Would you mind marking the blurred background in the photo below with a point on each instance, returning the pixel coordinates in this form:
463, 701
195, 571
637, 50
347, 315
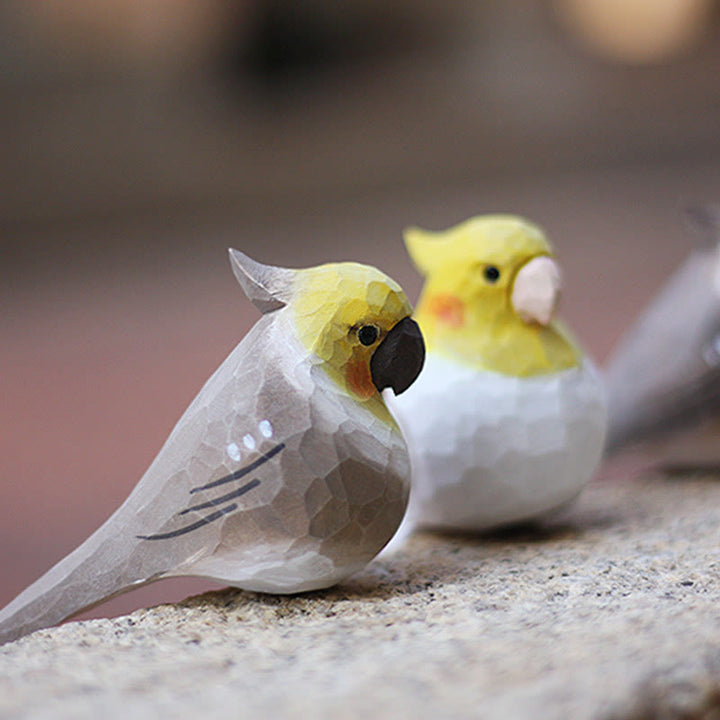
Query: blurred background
142, 138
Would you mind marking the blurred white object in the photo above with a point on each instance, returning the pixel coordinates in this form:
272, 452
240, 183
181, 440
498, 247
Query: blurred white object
665, 372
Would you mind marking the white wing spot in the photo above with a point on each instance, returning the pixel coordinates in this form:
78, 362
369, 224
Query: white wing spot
249, 442
265, 428
233, 451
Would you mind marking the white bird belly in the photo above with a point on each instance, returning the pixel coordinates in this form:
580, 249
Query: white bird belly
489, 449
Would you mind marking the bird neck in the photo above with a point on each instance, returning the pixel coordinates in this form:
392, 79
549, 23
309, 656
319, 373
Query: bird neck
345, 373
340, 384
492, 337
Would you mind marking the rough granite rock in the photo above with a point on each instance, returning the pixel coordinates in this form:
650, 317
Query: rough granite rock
612, 612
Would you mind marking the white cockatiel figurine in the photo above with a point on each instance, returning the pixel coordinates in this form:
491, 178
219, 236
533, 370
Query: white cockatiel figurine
286, 473
507, 420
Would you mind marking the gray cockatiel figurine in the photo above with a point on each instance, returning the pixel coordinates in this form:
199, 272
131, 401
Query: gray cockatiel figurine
665, 372
285, 474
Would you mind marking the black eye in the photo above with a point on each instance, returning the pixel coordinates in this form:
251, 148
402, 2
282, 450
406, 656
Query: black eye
491, 273
368, 334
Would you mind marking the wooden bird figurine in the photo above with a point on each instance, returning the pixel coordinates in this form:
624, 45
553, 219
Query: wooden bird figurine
664, 374
507, 420
285, 474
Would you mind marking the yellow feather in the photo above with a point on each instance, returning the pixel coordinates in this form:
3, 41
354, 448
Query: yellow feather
331, 302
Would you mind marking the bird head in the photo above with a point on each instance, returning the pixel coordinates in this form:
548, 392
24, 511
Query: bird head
491, 290
354, 320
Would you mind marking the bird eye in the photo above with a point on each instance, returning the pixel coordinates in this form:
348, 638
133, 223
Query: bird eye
368, 334
491, 273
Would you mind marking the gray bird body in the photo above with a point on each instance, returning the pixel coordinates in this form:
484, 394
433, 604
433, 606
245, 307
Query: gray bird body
665, 372
272, 481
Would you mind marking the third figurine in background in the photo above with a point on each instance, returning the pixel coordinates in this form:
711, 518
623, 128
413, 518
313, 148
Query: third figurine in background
664, 375
507, 420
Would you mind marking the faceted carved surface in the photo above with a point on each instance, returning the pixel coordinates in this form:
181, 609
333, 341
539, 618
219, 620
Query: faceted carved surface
489, 449
507, 420
279, 477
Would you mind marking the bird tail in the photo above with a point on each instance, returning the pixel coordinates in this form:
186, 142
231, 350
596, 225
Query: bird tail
102, 567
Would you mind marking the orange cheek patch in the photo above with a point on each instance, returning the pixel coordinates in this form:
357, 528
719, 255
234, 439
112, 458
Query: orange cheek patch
448, 309
359, 379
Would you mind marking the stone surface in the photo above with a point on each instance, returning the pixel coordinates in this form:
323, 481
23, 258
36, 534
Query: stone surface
609, 612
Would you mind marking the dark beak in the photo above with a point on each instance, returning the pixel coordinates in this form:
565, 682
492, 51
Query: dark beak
399, 358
